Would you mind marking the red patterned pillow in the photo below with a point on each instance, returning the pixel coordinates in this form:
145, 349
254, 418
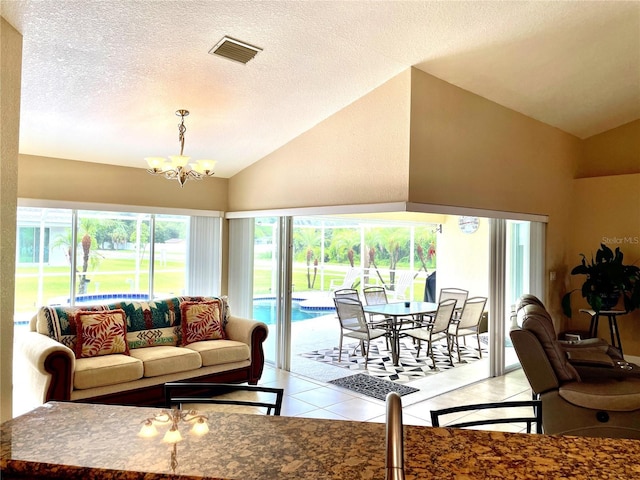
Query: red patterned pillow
201, 321
101, 333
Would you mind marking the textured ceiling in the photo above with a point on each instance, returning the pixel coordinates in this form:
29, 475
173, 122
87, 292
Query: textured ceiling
102, 79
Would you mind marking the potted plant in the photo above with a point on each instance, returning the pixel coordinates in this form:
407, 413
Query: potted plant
607, 280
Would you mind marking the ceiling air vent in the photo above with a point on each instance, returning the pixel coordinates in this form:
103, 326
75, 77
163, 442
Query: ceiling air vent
234, 50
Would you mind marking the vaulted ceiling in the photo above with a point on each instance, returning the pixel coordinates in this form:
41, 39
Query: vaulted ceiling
102, 79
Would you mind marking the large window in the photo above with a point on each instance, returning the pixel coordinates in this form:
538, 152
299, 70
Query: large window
113, 254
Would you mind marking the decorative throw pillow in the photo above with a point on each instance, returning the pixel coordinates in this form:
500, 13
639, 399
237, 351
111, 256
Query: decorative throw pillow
201, 321
101, 333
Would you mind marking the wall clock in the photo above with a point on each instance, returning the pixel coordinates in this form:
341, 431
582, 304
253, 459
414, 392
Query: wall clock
469, 224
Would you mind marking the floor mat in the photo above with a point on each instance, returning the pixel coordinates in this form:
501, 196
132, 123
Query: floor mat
372, 386
410, 366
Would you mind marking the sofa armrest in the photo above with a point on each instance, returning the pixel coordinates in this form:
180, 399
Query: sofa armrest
242, 329
48, 367
253, 333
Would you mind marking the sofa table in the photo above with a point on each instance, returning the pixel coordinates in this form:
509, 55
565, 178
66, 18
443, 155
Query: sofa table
83, 441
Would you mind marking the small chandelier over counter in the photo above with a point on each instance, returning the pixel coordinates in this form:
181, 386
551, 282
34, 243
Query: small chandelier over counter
178, 166
172, 418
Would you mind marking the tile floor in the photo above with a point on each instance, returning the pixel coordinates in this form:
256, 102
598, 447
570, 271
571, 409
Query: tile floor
306, 397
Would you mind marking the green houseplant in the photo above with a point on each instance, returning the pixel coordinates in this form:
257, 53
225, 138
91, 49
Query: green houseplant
607, 280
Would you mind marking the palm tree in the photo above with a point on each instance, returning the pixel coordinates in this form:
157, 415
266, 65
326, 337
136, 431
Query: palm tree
308, 240
87, 242
343, 243
392, 244
426, 247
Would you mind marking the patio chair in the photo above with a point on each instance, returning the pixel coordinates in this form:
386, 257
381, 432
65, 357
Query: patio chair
249, 398
376, 296
458, 294
349, 280
347, 293
468, 323
435, 329
353, 324
510, 412
403, 280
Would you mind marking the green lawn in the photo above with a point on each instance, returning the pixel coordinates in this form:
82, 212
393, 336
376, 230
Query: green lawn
113, 275
117, 275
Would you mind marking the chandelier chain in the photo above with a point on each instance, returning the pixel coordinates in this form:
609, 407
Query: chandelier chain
181, 129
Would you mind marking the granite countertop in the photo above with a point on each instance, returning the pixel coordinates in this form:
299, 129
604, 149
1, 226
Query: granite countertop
83, 441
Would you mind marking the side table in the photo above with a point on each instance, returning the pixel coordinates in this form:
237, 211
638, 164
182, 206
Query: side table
612, 315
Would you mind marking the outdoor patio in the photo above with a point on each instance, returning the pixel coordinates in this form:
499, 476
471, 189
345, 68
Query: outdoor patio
323, 332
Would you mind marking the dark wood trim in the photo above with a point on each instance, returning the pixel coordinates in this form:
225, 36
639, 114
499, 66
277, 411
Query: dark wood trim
59, 365
258, 336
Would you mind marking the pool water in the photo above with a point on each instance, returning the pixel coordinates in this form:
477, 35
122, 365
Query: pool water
264, 310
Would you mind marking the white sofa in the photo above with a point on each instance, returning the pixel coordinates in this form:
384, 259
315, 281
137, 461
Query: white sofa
157, 352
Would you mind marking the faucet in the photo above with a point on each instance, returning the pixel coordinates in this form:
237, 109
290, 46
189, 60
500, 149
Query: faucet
395, 444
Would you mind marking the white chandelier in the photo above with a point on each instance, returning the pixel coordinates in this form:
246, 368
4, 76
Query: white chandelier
178, 166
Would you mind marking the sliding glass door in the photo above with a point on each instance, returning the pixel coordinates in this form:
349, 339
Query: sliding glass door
517, 268
271, 285
284, 268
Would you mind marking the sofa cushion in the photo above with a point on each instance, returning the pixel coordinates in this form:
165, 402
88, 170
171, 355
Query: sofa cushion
101, 333
220, 352
201, 321
106, 370
164, 360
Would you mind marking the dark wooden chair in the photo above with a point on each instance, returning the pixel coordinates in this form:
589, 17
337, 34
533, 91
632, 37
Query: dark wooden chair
181, 393
534, 418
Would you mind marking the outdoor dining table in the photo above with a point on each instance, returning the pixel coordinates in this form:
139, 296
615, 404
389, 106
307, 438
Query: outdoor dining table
399, 314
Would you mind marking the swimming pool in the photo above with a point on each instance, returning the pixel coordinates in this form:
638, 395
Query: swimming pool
264, 310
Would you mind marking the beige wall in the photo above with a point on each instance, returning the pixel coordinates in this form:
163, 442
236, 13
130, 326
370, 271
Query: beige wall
463, 258
605, 210
615, 152
358, 155
69, 180
448, 147
468, 151
10, 76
